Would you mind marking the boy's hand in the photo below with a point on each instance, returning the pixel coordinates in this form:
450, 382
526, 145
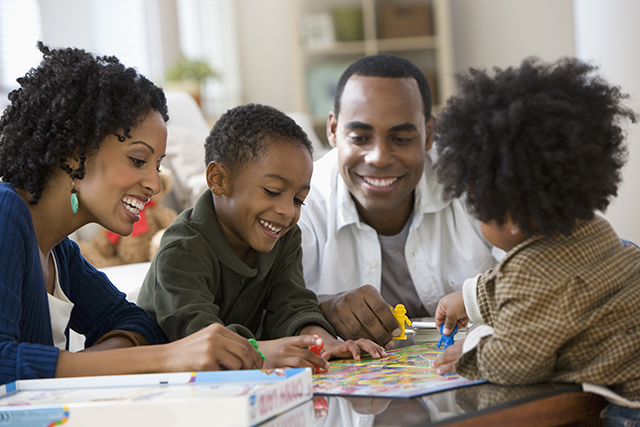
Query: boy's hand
292, 352
334, 348
451, 312
211, 349
337, 349
447, 360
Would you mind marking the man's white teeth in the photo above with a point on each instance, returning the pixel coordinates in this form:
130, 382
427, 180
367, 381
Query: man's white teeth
270, 226
133, 205
380, 182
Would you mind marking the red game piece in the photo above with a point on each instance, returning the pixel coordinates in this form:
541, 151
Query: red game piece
317, 349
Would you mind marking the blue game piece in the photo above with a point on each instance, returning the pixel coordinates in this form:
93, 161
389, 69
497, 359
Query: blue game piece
447, 340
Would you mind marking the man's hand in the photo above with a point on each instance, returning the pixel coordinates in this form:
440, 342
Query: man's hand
362, 313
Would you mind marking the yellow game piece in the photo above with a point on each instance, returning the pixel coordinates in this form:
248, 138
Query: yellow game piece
400, 314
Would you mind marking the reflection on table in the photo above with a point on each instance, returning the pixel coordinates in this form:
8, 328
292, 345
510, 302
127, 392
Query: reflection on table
483, 404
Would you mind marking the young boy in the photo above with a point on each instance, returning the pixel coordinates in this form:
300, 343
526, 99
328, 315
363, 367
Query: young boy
235, 258
537, 150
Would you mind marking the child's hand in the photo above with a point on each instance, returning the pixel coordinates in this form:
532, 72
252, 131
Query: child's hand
451, 312
211, 349
337, 349
447, 361
292, 352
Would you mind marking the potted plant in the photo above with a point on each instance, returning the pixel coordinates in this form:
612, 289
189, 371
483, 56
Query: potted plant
188, 75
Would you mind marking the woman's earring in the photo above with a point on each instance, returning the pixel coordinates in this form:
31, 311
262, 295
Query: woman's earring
74, 197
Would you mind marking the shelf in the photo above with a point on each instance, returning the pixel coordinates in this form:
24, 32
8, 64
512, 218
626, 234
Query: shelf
407, 43
381, 45
338, 48
319, 68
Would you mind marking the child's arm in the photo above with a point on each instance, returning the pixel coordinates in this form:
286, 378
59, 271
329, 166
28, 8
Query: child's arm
181, 286
294, 351
451, 312
518, 349
457, 308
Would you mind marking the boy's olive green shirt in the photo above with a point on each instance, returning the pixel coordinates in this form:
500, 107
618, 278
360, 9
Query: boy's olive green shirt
196, 279
564, 309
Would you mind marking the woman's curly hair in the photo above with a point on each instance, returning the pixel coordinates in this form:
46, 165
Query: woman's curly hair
65, 107
541, 142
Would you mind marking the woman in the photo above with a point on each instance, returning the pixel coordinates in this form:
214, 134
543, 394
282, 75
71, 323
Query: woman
81, 142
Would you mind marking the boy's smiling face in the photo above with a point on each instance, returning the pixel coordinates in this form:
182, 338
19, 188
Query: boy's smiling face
258, 204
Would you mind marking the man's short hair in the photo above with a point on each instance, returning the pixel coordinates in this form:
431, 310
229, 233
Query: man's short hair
389, 66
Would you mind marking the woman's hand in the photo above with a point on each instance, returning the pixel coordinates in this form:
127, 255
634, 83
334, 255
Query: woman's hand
451, 312
447, 360
292, 352
213, 348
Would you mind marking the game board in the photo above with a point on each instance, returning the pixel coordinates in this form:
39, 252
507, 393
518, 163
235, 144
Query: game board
406, 372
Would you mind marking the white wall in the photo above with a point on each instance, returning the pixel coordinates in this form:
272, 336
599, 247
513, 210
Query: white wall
265, 32
488, 33
607, 34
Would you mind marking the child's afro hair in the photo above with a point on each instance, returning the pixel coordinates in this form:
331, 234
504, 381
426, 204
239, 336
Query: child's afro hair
65, 107
243, 133
541, 142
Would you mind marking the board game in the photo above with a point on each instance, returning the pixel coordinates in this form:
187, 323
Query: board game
406, 372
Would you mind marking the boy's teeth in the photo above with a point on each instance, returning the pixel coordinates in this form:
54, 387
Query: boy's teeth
270, 226
380, 182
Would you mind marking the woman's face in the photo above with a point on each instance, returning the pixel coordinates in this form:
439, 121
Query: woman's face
121, 176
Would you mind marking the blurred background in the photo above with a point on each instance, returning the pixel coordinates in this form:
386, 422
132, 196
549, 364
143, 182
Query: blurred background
290, 53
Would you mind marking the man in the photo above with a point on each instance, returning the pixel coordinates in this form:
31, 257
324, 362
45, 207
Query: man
375, 229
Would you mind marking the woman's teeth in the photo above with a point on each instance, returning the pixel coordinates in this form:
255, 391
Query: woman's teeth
133, 205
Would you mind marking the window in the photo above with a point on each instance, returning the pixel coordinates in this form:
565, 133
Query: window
207, 32
20, 29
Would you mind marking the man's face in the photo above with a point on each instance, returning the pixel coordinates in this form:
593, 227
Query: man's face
381, 135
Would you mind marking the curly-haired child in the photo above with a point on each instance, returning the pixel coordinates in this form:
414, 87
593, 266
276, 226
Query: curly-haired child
81, 142
537, 150
235, 257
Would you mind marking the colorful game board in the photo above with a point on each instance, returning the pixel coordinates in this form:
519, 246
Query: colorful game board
406, 372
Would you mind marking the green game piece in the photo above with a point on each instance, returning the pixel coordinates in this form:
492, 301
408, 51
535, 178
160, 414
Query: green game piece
254, 343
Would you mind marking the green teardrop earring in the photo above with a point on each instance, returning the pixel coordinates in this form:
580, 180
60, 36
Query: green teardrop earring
74, 197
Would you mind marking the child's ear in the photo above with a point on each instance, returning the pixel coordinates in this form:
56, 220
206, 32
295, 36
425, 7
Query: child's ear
217, 178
